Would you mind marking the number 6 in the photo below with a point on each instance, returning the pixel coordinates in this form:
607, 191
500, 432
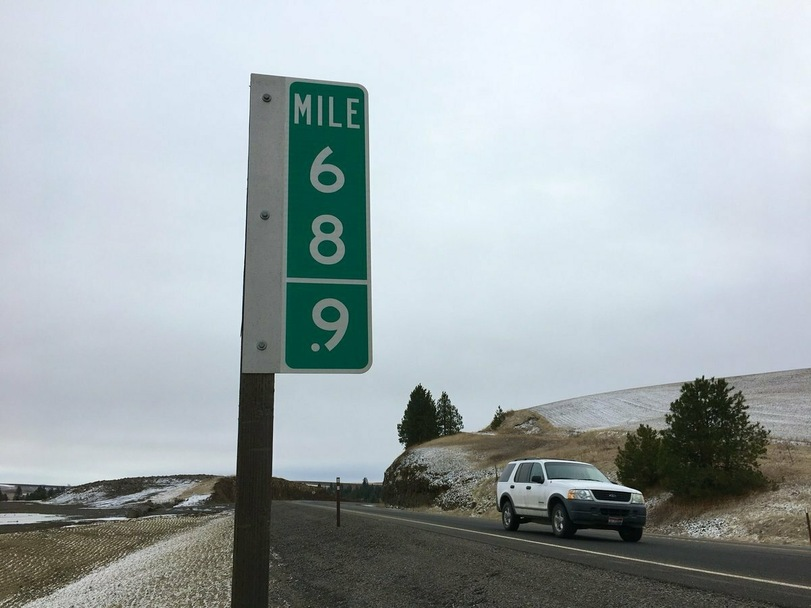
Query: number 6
318, 167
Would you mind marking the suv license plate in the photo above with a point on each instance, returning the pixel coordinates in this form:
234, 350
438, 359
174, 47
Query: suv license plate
615, 521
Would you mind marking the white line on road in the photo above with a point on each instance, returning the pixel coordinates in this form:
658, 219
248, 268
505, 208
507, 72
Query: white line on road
588, 551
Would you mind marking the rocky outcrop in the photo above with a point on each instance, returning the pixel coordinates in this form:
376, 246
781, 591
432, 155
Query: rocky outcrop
445, 477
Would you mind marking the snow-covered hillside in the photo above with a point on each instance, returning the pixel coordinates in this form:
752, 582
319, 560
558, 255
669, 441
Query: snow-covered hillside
780, 401
123, 492
459, 472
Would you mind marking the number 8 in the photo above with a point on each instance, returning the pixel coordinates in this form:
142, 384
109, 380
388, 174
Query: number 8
333, 237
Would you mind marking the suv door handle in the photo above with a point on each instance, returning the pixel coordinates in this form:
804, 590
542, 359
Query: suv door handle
529, 487
512, 487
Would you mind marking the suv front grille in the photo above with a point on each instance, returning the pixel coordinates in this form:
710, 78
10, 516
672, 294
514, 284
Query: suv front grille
612, 495
615, 512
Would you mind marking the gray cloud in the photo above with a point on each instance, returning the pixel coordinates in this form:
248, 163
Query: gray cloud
564, 202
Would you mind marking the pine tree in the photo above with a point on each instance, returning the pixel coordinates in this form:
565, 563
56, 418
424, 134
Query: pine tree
710, 447
638, 460
39, 494
498, 418
419, 422
449, 420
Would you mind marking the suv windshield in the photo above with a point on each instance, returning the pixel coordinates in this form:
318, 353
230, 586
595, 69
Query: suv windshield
574, 470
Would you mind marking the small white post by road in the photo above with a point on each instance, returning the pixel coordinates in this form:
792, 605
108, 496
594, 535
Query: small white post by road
338, 501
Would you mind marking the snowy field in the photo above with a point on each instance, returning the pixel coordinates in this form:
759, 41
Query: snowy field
98, 501
39, 562
190, 570
159, 490
780, 401
11, 519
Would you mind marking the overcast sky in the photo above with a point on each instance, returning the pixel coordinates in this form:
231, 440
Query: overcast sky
566, 199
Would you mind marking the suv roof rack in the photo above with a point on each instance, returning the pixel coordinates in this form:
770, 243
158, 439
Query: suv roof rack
544, 458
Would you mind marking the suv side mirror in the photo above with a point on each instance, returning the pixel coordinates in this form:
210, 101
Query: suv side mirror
537, 479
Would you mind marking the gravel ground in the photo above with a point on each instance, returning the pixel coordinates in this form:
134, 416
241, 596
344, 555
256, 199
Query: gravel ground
370, 563
364, 563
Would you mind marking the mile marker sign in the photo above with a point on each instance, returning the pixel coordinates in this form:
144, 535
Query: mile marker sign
307, 293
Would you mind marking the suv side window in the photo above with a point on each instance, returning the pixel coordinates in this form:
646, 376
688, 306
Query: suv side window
536, 475
522, 476
505, 474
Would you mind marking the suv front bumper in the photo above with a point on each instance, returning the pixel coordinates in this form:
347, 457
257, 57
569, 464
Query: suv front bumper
611, 515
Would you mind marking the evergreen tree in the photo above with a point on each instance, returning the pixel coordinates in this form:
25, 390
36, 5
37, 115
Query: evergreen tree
39, 494
3, 496
710, 447
18, 493
419, 422
498, 418
638, 460
448, 418
365, 490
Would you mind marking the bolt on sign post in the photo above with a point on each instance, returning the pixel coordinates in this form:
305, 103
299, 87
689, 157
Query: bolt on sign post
306, 304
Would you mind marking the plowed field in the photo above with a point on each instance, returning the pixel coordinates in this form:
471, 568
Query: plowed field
38, 562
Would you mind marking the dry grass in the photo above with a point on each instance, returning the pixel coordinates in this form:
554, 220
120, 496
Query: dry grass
787, 462
205, 487
679, 510
527, 434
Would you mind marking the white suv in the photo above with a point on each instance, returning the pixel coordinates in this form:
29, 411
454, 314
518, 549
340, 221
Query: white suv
569, 495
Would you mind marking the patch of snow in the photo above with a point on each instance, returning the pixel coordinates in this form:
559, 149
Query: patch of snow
714, 527
780, 401
71, 497
162, 490
530, 427
12, 519
453, 469
95, 520
775, 517
194, 500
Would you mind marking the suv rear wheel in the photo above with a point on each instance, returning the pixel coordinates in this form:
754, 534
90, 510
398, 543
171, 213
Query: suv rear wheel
562, 526
508, 517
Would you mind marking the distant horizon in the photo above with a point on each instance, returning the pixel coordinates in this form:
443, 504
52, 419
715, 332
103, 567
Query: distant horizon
6, 486
355, 475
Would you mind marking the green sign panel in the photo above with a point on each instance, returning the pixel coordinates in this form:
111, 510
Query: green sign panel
327, 322
306, 303
327, 326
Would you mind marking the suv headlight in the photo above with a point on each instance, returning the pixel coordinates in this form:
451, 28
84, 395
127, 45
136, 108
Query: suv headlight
580, 495
637, 498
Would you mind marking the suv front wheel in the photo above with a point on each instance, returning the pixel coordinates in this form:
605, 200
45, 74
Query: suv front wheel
508, 517
630, 535
562, 526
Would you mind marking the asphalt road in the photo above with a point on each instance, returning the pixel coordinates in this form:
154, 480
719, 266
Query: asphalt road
729, 573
